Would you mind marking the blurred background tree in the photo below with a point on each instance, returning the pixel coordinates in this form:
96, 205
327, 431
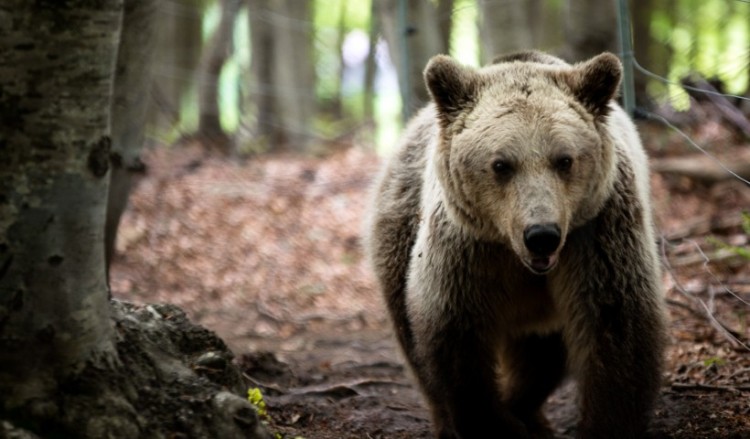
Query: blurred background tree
269, 75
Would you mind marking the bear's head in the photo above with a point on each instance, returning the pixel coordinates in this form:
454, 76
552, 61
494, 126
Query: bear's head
524, 153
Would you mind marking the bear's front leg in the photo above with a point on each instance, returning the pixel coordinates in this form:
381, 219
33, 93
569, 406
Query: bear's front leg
619, 374
615, 331
456, 366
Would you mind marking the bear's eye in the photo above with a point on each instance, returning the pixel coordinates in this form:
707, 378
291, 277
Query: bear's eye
564, 163
502, 168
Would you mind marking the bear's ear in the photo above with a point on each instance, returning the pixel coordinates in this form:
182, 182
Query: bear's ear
595, 82
452, 86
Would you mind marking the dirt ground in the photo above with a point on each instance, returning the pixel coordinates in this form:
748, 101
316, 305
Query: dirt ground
266, 253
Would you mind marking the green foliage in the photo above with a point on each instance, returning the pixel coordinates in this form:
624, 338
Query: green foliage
714, 361
357, 13
710, 37
331, 19
255, 397
746, 222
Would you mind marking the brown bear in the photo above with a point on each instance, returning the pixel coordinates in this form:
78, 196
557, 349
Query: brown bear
512, 238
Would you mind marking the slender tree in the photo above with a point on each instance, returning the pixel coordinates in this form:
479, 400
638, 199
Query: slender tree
371, 64
504, 27
261, 86
411, 29
590, 28
129, 109
445, 22
641, 13
178, 51
216, 54
283, 88
546, 25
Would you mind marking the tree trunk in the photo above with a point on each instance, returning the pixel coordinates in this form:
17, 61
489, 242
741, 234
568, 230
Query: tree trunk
504, 27
445, 23
129, 110
64, 369
294, 71
57, 65
284, 91
546, 25
216, 55
413, 38
641, 12
590, 28
261, 49
178, 50
661, 53
371, 66
337, 104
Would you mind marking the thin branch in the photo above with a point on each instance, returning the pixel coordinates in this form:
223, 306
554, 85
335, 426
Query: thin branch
711, 387
730, 335
663, 120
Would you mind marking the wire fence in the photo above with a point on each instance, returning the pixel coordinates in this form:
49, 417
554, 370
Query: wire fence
706, 304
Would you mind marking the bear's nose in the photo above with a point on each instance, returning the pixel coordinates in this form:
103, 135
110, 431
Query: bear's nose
542, 239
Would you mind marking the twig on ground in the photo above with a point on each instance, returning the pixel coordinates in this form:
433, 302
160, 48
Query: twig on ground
710, 387
273, 386
739, 372
344, 389
734, 337
718, 256
699, 168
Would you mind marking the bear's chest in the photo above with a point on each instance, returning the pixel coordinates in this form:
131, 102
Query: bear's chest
522, 301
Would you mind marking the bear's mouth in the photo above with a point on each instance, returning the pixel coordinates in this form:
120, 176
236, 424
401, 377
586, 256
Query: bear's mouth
542, 264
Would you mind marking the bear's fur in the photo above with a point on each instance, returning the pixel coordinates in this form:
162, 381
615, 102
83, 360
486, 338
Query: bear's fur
511, 235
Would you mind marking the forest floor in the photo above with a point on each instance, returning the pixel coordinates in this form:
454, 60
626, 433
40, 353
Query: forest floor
266, 252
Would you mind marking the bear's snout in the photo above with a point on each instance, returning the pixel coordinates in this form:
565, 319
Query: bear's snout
542, 239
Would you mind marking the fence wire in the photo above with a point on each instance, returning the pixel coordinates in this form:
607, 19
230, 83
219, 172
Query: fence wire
706, 306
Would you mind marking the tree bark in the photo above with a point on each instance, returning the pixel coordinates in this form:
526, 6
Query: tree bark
590, 28
216, 55
64, 370
129, 110
56, 78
